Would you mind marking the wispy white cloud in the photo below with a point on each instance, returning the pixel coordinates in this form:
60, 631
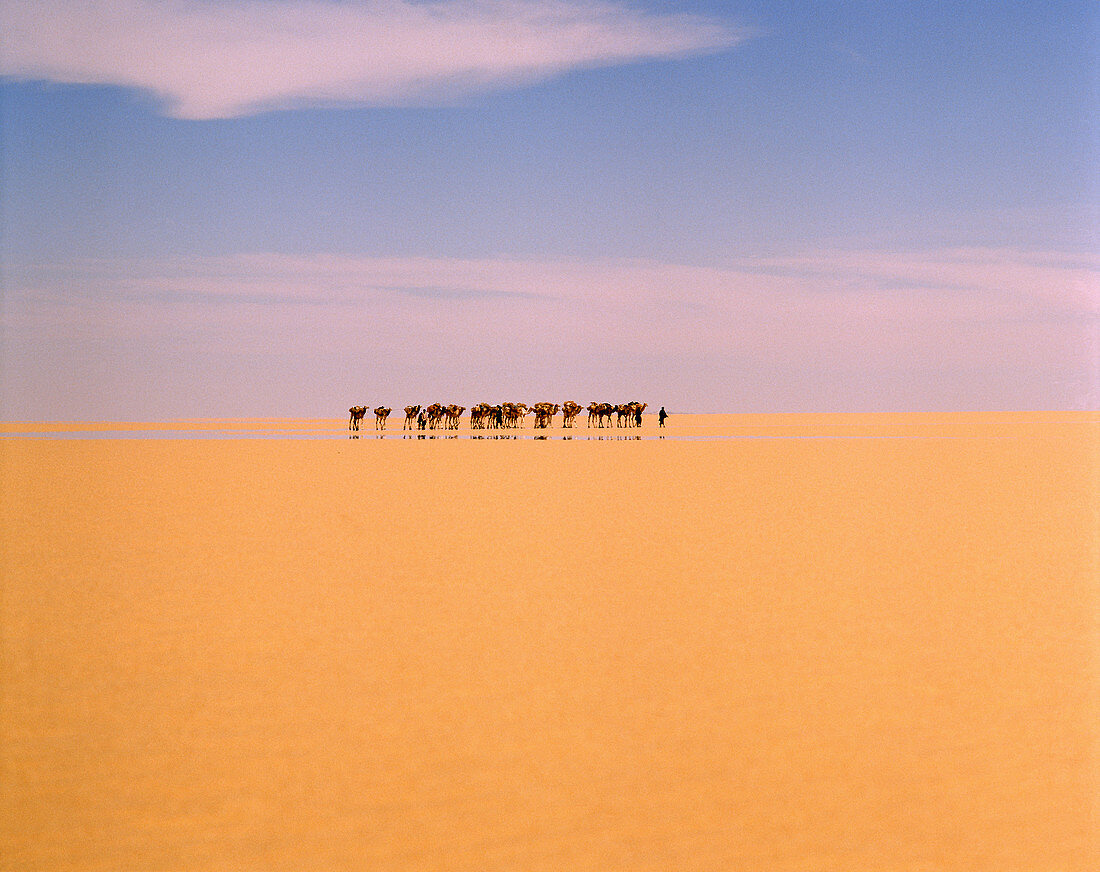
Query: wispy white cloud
223, 58
779, 296
1062, 278
831, 329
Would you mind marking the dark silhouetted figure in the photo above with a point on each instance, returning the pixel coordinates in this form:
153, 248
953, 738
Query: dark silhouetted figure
661, 415
421, 420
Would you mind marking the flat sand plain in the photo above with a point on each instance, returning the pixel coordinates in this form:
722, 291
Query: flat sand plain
787, 643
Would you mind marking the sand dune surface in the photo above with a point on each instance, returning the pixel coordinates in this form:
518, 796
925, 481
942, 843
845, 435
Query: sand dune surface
786, 643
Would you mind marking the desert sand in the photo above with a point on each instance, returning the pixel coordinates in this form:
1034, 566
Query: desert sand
863, 642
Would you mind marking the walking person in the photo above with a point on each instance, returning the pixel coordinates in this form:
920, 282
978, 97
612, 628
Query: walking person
661, 415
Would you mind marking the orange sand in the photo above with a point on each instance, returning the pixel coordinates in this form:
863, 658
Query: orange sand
769, 654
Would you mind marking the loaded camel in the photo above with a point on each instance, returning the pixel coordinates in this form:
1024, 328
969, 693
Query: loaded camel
544, 414
452, 414
569, 411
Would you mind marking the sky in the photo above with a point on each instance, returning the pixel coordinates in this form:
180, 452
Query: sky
282, 208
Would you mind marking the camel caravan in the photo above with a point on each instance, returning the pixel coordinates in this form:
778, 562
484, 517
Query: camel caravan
505, 416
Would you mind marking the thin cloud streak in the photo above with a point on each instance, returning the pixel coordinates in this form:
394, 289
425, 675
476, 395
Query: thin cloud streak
212, 59
843, 329
1064, 278
975, 283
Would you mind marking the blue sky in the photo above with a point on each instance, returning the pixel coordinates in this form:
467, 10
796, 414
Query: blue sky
287, 207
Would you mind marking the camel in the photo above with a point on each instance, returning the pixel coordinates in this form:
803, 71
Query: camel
513, 414
630, 414
357, 413
380, 415
435, 415
544, 414
627, 414
600, 411
505, 415
483, 415
453, 414
570, 410
410, 417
